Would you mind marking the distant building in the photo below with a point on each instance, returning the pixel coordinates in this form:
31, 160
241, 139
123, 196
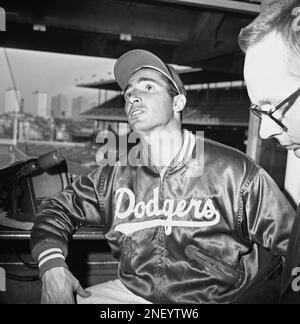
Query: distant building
39, 107
62, 134
28, 130
54, 107
79, 105
60, 107
12, 100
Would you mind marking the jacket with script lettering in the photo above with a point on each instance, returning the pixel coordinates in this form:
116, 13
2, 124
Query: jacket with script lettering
193, 233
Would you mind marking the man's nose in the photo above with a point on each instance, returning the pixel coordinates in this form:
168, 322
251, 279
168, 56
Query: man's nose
133, 101
136, 99
268, 128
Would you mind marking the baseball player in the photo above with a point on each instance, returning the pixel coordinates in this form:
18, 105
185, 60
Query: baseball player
182, 233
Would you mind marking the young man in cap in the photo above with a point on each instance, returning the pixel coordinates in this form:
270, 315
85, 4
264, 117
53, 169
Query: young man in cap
272, 73
200, 223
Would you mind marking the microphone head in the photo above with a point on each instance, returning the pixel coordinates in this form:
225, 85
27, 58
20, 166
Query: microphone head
50, 160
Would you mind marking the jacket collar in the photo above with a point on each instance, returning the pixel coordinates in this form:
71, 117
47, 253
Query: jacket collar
182, 156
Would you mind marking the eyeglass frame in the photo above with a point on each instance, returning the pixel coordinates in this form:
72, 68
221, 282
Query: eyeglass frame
259, 112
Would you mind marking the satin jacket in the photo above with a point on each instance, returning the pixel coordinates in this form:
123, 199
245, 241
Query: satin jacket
290, 293
180, 235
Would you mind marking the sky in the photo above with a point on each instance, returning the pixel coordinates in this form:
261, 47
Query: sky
53, 73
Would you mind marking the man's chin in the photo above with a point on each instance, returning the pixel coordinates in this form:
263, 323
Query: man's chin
138, 126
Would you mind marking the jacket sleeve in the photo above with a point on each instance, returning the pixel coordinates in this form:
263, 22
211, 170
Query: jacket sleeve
269, 214
59, 216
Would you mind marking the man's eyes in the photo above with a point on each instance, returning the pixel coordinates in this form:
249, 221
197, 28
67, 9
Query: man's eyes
285, 107
127, 95
267, 108
147, 87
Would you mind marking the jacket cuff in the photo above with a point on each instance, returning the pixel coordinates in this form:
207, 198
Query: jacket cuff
38, 249
51, 258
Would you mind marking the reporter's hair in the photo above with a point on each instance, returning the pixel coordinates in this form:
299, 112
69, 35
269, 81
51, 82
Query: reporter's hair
280, 16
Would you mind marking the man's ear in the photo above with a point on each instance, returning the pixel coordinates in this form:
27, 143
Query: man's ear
179, 103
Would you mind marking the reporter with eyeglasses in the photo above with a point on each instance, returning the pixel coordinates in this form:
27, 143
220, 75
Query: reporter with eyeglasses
272, 74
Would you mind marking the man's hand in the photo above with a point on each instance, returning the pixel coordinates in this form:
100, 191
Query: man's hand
59, 286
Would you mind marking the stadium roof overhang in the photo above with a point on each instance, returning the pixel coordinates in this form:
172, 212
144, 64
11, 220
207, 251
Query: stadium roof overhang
197, 33
188, 77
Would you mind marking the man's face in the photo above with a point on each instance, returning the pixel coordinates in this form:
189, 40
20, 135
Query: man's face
148, 104
269, 82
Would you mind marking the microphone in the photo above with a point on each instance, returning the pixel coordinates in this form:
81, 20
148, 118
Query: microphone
44, 162
50, 160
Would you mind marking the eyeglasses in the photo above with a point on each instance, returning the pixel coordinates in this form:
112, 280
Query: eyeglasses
257, 111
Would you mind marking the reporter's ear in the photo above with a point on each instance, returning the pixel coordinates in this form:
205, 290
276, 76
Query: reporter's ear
179, 103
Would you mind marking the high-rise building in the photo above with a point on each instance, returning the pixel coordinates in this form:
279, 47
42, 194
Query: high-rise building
59, 106
79, 105
39, 107
54, 107
12, 100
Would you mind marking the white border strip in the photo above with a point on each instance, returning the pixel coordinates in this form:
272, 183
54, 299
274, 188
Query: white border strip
220, 4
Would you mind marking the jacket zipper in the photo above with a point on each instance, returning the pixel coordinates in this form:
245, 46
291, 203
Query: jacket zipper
159, 266
218, 268
162, 176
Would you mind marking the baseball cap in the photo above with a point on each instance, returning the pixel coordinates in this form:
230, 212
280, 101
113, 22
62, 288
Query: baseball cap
135, 60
